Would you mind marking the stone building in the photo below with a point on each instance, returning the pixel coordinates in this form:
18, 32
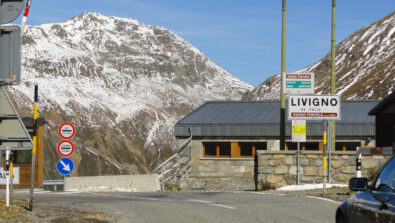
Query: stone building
230, 138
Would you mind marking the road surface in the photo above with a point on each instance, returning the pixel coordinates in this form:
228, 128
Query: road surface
207, 207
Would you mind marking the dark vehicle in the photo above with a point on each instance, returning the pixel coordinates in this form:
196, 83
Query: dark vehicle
373, 203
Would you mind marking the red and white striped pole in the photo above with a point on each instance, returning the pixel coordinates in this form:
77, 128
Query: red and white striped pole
24, 18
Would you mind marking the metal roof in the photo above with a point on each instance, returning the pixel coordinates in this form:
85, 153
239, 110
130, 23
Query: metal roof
384, 104
262, 118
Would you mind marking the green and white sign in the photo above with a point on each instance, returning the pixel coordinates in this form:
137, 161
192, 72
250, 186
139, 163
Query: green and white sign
298, 83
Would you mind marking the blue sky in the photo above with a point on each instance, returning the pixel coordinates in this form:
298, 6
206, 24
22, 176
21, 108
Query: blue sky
244, 37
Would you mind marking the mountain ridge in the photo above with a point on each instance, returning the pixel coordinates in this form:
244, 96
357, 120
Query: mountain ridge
122, 83
366, 56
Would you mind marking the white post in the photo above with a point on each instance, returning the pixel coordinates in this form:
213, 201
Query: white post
359, 162
7, 157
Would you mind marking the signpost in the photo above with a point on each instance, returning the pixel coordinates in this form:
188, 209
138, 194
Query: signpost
298, 135
67, 130
298, 83
3, 176
65, 148
314, 107
65, 166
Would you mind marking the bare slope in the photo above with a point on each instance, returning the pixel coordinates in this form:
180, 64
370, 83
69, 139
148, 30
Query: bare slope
365, 66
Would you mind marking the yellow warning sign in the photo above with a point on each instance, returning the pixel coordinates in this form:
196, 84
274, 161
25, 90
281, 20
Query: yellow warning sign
298, 130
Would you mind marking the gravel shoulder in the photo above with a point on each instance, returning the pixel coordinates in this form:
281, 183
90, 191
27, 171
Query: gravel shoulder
52, 212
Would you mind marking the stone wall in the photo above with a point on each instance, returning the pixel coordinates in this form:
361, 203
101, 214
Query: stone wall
217, 173
278, 168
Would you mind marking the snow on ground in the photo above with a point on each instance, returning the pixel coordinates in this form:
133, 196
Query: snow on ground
101, 189
308, 187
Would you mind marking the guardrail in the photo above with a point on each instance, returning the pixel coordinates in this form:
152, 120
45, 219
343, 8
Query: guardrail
54, 183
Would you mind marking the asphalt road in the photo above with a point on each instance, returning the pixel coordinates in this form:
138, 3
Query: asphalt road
177, 207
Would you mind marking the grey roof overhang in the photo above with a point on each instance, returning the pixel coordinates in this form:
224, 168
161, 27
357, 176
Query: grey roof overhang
387, 102
261, 119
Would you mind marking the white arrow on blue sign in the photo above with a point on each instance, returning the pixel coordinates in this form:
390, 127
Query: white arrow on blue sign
65, 166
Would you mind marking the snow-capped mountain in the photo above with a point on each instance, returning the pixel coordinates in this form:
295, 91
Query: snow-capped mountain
365, 66
122, 83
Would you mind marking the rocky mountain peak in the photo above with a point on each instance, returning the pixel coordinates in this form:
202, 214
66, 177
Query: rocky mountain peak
123, 83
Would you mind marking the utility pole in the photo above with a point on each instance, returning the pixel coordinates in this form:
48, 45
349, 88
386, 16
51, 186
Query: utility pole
282, 96
332, 129
333, 74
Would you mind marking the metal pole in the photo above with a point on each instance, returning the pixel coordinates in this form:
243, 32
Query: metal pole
7, 160
329, 155
324, 157
34, 148
333, 70
11, 176
298, 169
359, 162
282, 96
163, 177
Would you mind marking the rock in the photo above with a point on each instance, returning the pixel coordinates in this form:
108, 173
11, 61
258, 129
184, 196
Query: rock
312, 156
274, 179
275, 162
182, 185
310, 171
337, 163
318, 162
349, 169
289, 160
198, 185
278, 156
304, 162
345, 157
265, 170
370, 163
281, 170
341, 178
293, 169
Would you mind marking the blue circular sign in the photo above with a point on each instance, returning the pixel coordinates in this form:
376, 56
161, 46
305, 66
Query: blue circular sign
65, 166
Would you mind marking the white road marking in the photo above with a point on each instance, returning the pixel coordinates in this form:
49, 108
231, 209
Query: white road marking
199, 201
267, 193
224, 206
165, 199
324, 199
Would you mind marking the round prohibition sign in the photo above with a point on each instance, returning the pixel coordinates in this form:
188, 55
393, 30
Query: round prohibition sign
65, 148
67, 130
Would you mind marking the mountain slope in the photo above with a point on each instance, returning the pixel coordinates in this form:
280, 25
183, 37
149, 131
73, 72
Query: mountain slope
122, 83
365, 66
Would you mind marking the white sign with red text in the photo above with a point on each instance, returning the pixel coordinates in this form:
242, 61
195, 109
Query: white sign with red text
314, 107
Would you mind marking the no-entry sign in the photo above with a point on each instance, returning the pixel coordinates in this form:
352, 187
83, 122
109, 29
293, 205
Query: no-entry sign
65, 148
67, 130
314, 107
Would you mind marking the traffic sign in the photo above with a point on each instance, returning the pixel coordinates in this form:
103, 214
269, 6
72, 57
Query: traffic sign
314, 107
13, 133
66, 130
298, 130
10, 57
65, 166
298, 83
65, 148
10, 10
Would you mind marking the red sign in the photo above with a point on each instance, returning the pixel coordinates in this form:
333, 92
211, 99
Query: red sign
65, 148
66, 130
